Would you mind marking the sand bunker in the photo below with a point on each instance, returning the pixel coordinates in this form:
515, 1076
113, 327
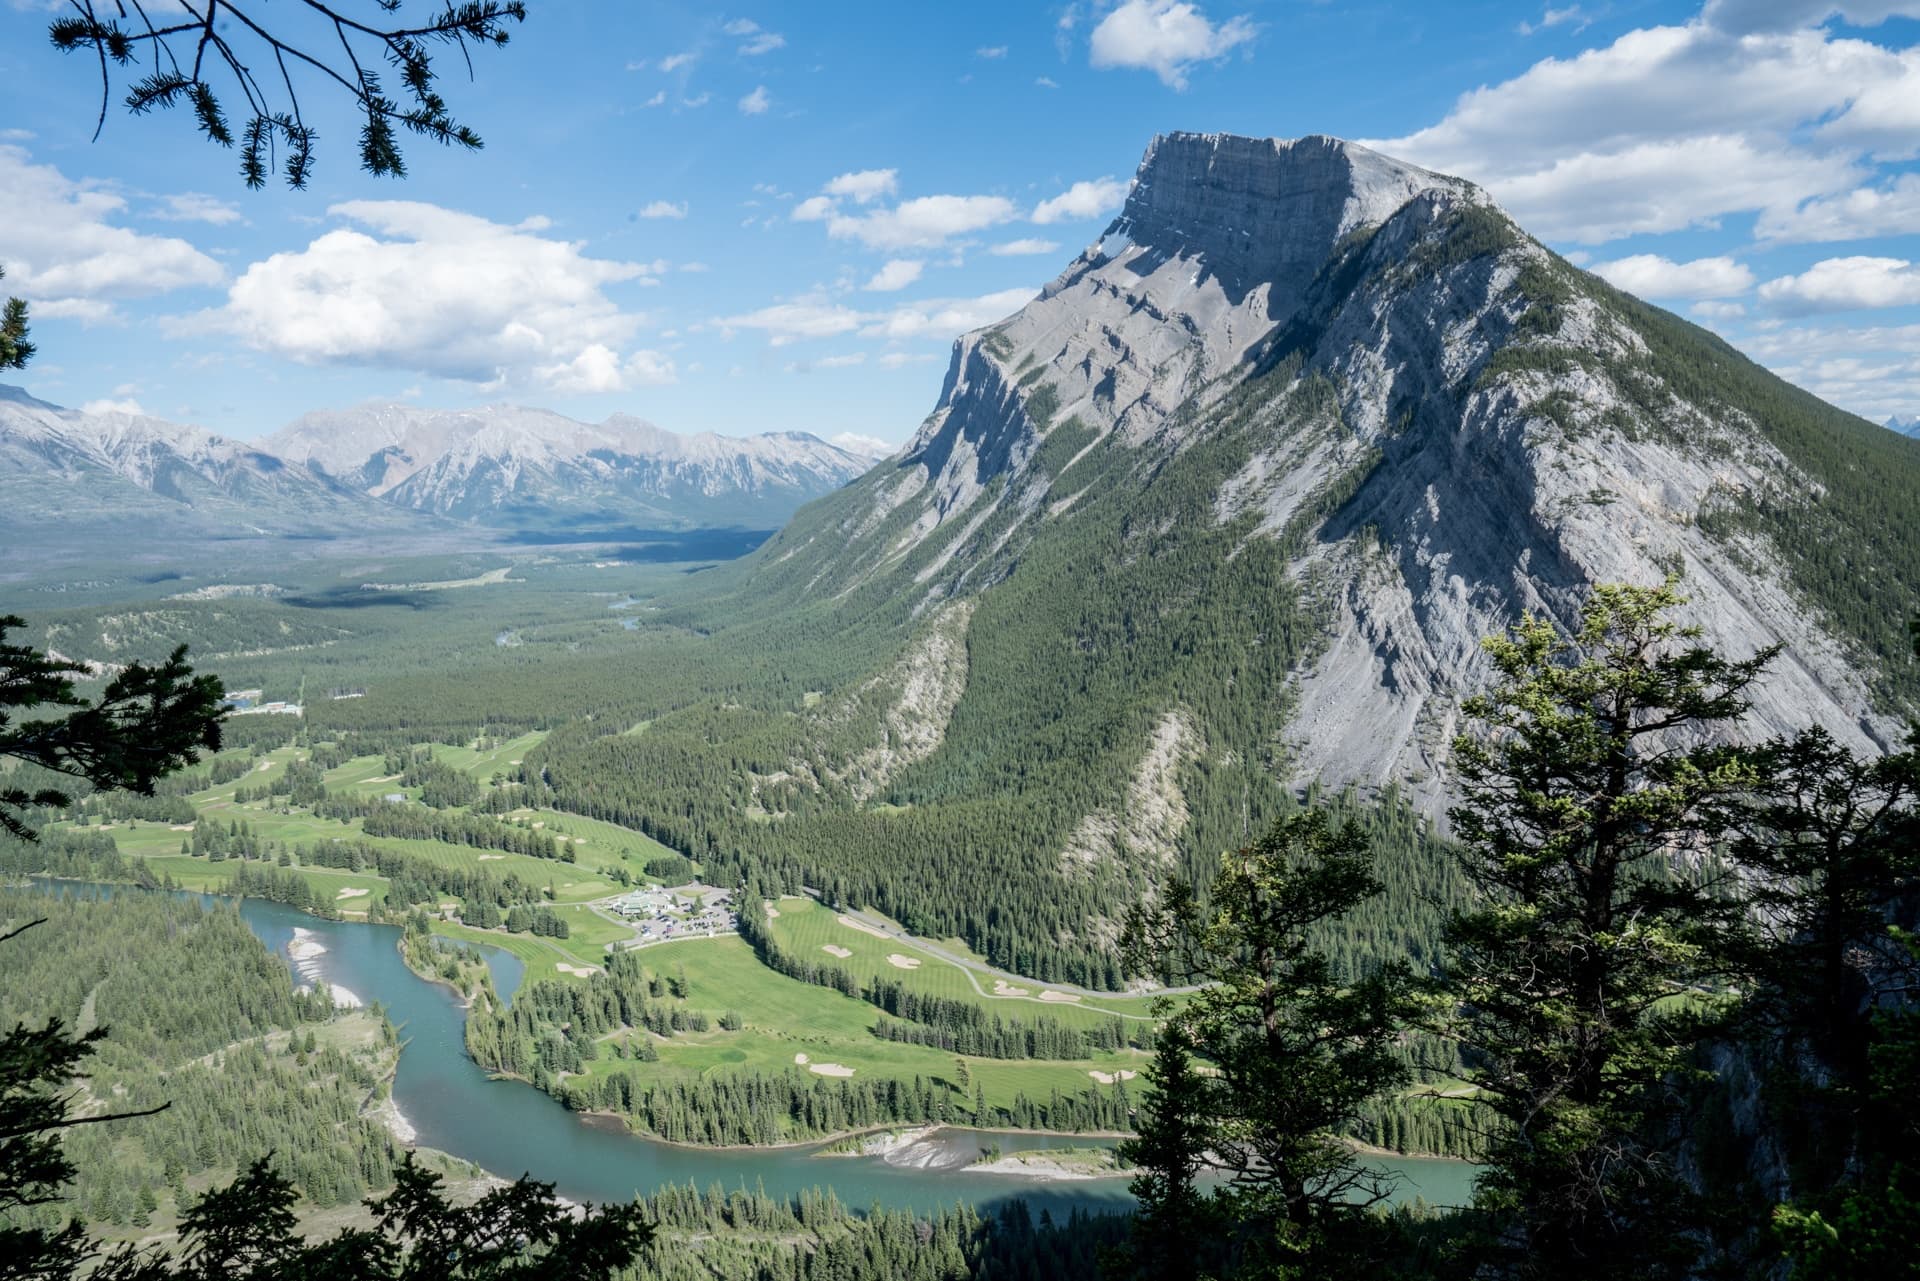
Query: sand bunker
541, 823
1108, 1078
579, 840
265, 766
900, 962
181, 827
1058, 996
801, 1059
582, 970
773, 913
862, 926
492, 858
1003, 988
351, 892
834, 949
829, 1069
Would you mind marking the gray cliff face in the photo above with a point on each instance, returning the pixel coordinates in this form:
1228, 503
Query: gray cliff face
1464, 422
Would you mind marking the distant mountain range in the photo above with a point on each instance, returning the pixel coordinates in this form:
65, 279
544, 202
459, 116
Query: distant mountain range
509, 465
1908, 426
67, 473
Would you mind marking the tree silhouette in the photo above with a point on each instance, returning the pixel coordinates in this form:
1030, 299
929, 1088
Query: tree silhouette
229, 46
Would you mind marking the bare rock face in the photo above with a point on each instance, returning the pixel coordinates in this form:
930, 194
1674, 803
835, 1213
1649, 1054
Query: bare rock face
1444, 424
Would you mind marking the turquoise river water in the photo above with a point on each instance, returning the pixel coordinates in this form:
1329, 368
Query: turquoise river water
510, 1128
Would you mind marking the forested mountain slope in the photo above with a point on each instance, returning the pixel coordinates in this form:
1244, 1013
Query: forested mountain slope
1226, 511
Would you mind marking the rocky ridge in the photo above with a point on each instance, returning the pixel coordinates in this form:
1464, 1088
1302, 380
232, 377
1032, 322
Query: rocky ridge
1445, 423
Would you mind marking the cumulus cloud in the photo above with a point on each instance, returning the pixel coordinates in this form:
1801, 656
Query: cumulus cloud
865, 185
897, 274
1652, 276
1025, 245
1668, 127
991, 51
948, 317
814, 209
65, 255
1083, 200
921, 223
1845, 284
674, 61
664, 209
1892, 209
417, 287
1741, 17
1166, 38
756, 103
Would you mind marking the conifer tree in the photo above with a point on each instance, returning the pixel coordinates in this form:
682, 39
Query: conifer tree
1299, 1050
1589, 798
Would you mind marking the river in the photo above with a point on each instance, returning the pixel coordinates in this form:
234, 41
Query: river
510, 1128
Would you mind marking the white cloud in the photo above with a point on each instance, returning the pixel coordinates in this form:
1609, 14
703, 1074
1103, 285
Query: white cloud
1028, 245
126, 406
1046, 82
1720, 310
193, 207
1165, 37
814, 209
1556, 18
789, 322
674, 61
664, 209
897, 274
1889, 210
1872, 371
756, 103
658, 100
63, 254
896, 359
698, 100
1845, 284
758, 39
1652, 276
865, 185
921, 223
432, 290
847, 361
867, 446
948, 317
1665, 128
816, 316
1083, 200
1741, 17
991, 51
88, 311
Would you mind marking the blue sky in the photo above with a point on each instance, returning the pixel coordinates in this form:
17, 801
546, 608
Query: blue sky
778, 217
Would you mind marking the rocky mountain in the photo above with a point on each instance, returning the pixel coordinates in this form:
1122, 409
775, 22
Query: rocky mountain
1908, 426
515, 466
67, 470
1255, 475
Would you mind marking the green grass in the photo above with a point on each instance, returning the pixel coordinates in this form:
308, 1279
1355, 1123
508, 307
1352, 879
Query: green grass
806, 929
782, 1017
